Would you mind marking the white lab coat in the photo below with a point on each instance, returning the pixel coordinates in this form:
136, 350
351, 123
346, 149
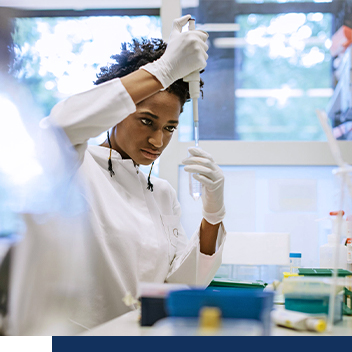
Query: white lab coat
138, 234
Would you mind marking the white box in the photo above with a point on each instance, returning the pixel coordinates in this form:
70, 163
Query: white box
256, 248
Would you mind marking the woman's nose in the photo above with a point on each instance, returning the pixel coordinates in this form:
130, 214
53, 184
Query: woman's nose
156, 139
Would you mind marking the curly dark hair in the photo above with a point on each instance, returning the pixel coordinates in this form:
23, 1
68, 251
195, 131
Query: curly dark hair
139, 53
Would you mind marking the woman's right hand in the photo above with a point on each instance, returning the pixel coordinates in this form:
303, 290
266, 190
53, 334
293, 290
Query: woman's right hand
185, 53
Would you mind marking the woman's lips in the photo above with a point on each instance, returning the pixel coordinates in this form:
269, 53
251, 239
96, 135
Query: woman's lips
150, 155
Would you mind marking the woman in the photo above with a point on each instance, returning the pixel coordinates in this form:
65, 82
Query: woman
136, 219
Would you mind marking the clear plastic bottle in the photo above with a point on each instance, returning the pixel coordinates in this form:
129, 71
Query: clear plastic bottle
295, 262
327, 254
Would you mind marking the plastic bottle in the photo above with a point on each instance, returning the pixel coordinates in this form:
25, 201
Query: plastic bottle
327, 254
327, 250
295, 262
298, 321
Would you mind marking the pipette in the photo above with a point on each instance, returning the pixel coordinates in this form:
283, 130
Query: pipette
193, 79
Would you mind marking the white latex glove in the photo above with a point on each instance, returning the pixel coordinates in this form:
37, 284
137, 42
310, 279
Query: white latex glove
185, 53
211, 177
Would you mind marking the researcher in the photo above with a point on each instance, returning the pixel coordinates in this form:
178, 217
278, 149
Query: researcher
135, 217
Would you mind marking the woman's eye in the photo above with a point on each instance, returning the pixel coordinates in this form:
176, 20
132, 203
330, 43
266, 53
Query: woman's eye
171, 128
146, 121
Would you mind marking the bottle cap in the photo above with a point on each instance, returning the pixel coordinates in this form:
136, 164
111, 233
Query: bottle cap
316, 324
320, 325
337, 212
295, 255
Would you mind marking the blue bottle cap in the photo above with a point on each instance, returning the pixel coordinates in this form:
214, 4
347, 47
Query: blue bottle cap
295, 255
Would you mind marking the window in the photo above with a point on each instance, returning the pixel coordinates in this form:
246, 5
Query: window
57, 54
290, 55
60, 56
269, 69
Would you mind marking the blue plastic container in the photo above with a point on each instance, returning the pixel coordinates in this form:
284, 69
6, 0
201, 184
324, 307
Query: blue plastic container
238, 304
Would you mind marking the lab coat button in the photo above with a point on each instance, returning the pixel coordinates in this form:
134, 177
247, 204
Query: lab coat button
175, 231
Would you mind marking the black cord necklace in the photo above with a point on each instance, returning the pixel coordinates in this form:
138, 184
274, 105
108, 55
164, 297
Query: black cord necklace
150, 185
112, 172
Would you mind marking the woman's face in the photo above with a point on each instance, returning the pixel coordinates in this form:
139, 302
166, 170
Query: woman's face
143, 135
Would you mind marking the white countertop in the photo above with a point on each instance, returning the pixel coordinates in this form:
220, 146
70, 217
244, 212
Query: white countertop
129, 325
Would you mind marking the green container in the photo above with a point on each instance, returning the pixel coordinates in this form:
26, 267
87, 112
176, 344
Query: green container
236, 284
347, 304
323, 272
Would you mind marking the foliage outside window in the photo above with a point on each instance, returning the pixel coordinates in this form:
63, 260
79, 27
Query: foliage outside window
282, 75
60, 56
269, 69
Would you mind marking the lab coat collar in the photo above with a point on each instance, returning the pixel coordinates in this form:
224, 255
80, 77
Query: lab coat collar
104, 152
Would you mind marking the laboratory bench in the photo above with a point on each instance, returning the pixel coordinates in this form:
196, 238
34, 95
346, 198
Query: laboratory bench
129, 325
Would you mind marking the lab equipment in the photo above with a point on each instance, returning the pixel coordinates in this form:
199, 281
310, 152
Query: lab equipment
195, 187
327, 250
347, 301
237, 284
193, 79
153, 297
177, 63
298, 321
315, 304
319, 272
295, 262
234, 304
211, 176
209, 323
311, 284
312, 295
343, 174
344, 168
341, 273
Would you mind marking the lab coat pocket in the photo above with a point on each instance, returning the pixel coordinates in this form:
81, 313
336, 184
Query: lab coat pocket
171, 225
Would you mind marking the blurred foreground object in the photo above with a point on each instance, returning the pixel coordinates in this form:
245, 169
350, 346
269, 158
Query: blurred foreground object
51, 262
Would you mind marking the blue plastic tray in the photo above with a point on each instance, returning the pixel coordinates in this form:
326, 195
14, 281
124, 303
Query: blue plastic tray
240, 304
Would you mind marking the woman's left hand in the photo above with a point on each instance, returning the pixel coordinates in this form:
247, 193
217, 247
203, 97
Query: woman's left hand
209, 174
